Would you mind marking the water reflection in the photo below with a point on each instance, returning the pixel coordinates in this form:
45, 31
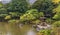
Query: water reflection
14, 29
31, 32
0, 33
8, 33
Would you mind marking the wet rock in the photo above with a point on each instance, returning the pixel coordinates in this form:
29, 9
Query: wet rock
39, 27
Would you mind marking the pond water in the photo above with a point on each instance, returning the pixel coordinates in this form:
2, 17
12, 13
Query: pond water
15, 29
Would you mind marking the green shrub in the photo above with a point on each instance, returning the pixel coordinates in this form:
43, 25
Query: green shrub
45, 32
56, 24
8, 17
13, 21
48, 20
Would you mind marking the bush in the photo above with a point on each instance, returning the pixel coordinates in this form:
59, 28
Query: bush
57, 16
45, 32
36, 21
29, 15
48, 20
56, 24
8, 17
13, 21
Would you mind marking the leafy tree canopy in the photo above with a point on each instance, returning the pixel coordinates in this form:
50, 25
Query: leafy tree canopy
29, 15
56, 24
17, 5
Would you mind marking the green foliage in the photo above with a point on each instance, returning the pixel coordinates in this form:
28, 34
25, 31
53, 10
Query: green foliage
45, 32
1, 4
57, 16
17, 6
19, 11
14, 14
37, 10
36, 21
56, 24
43, 5
3, 15
8, 17
57, 10
48, 20
41, 14
29, 15
13, 21
3, 10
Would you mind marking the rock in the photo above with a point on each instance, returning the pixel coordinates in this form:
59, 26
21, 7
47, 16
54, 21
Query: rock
39, 27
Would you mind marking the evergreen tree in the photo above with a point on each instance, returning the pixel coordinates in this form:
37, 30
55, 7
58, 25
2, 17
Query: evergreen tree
17, 6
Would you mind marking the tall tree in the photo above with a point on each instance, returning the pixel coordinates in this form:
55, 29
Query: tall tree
45, 6
17, 6
3, 12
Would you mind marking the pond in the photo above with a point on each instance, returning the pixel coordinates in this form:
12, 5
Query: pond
14, 29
